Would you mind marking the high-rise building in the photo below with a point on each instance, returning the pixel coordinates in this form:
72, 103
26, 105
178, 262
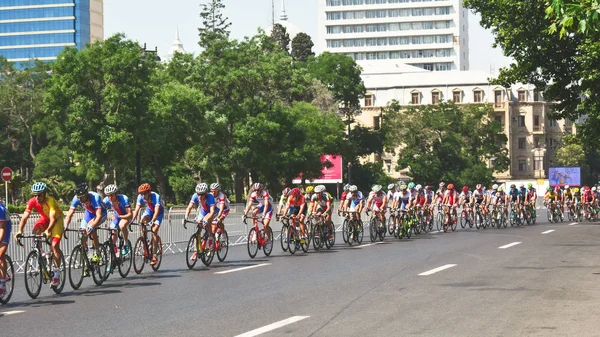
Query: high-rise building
41, 29
428, 34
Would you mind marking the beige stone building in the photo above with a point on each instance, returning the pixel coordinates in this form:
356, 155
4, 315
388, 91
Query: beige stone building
533, 136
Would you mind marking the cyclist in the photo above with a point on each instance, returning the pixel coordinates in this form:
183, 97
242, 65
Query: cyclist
419, 198
576, 201
513, 196
206, 211
450, 201
465, 197
429, 197
354, 202
284, 195
343, 197
5, 228
50, 222
296, 206
531, 196
561, 200
94, 216
550, 197
401, 199
322, 203
122, 213
392, 188
153, 214
265, 204
222, 210
378, 199
478, 197
589, 199
521, 201
501, 199
439, 194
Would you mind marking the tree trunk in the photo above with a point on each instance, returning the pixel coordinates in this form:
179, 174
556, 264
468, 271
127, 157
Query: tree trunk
239, 188
105, 175
160, 178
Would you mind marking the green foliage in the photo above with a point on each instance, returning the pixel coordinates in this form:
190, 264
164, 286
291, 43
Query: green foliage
281, 37
573, 16
445, 142
302, 45
364, 176
53, 161
214, 25
569, 155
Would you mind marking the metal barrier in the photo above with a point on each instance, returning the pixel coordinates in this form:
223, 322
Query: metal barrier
174, 236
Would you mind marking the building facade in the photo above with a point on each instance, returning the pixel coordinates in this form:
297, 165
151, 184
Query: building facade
533, 136
41, 29
428, 34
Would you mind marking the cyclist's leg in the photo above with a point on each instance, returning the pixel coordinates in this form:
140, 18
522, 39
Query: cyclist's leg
5, 230
124, 230
155, 236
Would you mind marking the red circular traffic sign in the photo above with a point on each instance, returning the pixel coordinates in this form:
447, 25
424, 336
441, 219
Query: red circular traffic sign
7, 174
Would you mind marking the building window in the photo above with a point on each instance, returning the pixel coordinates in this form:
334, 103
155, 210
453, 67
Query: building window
553, 123
457, 96
552, 143
536, 96
521, 95
522, 143
477, 96
416, 98
521, 121
522, 165
368, 100
536, 123
498, 98
376, 122
435, 97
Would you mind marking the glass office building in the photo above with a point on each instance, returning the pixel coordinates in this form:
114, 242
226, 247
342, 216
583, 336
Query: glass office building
41, 29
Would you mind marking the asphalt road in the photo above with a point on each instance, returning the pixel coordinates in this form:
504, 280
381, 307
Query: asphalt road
544, 285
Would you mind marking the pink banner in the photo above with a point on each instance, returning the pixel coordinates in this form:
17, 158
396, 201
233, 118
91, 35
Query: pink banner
331, 175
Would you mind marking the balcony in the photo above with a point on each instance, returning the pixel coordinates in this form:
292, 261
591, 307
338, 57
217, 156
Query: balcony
538, 129
499, 106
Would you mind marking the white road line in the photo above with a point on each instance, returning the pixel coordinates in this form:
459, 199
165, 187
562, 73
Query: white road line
549, 231
242, 268
273, 326
573, 224
367, 245
433, 271
6, 313
509, 245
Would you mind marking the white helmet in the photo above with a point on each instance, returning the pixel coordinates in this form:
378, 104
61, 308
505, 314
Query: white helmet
522, 186
418, 187
319, 189
391, 186
376, 188
567, 187
353, 188
111, 189
346, 187
215, 186
202, 188
495, 187
594, 189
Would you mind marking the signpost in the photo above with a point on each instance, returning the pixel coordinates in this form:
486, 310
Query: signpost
6, 176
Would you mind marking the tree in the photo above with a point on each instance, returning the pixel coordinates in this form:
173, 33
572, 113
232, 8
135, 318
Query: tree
281, 37
565, 69
445, 142
341, 75
98, 98
302, 46
568, 16
214, 25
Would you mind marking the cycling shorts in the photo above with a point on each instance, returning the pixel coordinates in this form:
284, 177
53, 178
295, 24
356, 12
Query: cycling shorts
114, 224
7, 231
321, 209
295, 210
57, 231
149, 214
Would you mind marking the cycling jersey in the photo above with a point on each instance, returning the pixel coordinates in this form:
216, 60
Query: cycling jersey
500, 197
205, 202
94, 202
452, 197
550, 195
514, 193
464, 195
221, 198
154, 200
5, 219
390, 194
478, 195
420, 199
588, 196
296, 202
403, 197
119, 207
322, 199
568, 194
48, 208
355, 198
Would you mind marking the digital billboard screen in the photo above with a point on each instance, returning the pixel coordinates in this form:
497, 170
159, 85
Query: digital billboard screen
561, 176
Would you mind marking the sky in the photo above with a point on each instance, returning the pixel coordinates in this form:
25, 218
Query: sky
155, 22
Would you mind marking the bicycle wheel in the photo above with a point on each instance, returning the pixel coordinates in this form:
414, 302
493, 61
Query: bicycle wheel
318, 238
446, 221
223, 246
416, 225
291, 239
345, 230
349, 234
99, 269
439, 222
454, 223
252, 242
463, 219
391, 223
9, 280
207, 254
330, 242
372, 229
112, 259
268, 240
124, 261
361, 232
159, 253
77, 267
191, 253
284, 237
478, 220
139, 256
381, 231
62, 272
33, 274
504, 220
308, 228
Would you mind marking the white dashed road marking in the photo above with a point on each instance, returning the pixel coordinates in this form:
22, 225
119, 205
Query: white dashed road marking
438, 269
273, 326
573, 224
7, 313
242, 268
509, 245
548, 231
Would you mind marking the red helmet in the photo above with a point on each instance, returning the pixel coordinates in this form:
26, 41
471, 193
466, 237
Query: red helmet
257, 186
557, 188
144, 188
478, 186
295, 192
450, 186
427, 188
465, 188
587, 188
286, 191
442, 184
